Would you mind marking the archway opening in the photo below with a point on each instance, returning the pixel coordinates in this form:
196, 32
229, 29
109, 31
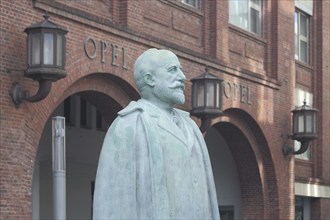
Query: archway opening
237, 172
88, 115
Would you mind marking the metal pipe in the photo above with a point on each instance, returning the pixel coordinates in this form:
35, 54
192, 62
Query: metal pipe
59, 168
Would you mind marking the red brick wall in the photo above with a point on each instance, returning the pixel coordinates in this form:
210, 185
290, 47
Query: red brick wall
320, 207
202, 37
321, 84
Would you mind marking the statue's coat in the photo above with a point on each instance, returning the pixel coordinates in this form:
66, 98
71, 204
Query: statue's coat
149, 168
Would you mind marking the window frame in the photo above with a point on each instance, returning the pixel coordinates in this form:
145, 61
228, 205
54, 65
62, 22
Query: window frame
250, 6
100, 123
196, 5
299, 37
69, 108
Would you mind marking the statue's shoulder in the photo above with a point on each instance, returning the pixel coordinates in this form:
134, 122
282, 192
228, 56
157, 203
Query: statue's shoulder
132, 108
127, 117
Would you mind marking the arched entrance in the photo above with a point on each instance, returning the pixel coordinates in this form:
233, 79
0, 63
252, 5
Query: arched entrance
89, 110
242, 167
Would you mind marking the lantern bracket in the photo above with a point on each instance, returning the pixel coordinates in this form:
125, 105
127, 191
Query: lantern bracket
206, 122
290, 150
18, 94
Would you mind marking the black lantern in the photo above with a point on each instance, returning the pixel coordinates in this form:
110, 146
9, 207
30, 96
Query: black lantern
304, 128
46, 50
206, 98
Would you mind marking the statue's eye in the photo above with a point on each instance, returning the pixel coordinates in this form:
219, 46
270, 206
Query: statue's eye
172, 68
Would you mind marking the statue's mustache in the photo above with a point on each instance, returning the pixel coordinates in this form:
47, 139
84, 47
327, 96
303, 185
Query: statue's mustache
177, 85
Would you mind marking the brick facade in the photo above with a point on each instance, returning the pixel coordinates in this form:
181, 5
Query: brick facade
260, 75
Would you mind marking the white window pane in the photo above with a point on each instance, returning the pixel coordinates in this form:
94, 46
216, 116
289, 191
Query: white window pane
301, 30
246, 14
238, 13
243, 18
193, 3
304, 156
48, 48
296, 46
254, 21
296, 23
257, 2
303, 25
303, 51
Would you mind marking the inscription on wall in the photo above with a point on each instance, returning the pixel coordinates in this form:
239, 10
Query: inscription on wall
107, 51
237, 91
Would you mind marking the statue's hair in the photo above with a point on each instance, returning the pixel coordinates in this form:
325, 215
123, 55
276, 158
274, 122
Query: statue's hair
147, 62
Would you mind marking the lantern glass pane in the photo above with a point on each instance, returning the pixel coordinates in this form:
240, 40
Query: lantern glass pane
59, 58
48, 48
217, 104
193, 95
301, 123
35, 49
210, 94
309, 122
200, 95
315, 124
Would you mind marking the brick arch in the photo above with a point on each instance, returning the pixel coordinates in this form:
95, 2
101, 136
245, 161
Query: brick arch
254, 162
105, 84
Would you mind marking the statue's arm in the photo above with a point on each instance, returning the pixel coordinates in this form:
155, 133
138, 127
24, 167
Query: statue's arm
115, 186
143, 174
208, 169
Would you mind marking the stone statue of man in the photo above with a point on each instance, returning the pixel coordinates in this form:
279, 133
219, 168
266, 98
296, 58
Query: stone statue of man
154, 163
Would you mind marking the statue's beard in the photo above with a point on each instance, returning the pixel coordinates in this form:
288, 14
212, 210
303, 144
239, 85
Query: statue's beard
171, 95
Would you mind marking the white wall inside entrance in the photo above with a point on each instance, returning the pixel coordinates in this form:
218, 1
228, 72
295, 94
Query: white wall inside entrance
83, 145
224, 171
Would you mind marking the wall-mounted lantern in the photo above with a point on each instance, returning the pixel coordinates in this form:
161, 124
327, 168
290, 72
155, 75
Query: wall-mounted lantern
304, 128
46, 50
206, 98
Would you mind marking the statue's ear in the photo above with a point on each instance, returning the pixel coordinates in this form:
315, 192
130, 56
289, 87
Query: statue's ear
149, 79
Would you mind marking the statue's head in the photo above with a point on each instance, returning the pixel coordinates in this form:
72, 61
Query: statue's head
158, 75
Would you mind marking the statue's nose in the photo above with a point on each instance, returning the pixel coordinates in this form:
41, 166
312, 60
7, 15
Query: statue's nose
182, 77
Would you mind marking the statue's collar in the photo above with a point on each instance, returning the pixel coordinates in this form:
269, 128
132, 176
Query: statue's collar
146, 106
155, 111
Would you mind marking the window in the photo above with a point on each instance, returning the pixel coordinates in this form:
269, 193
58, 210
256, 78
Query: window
299, 208
246, 14
68, 110
301, 32
193, 3
85, 113
100, 122
302, 208
226, 212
